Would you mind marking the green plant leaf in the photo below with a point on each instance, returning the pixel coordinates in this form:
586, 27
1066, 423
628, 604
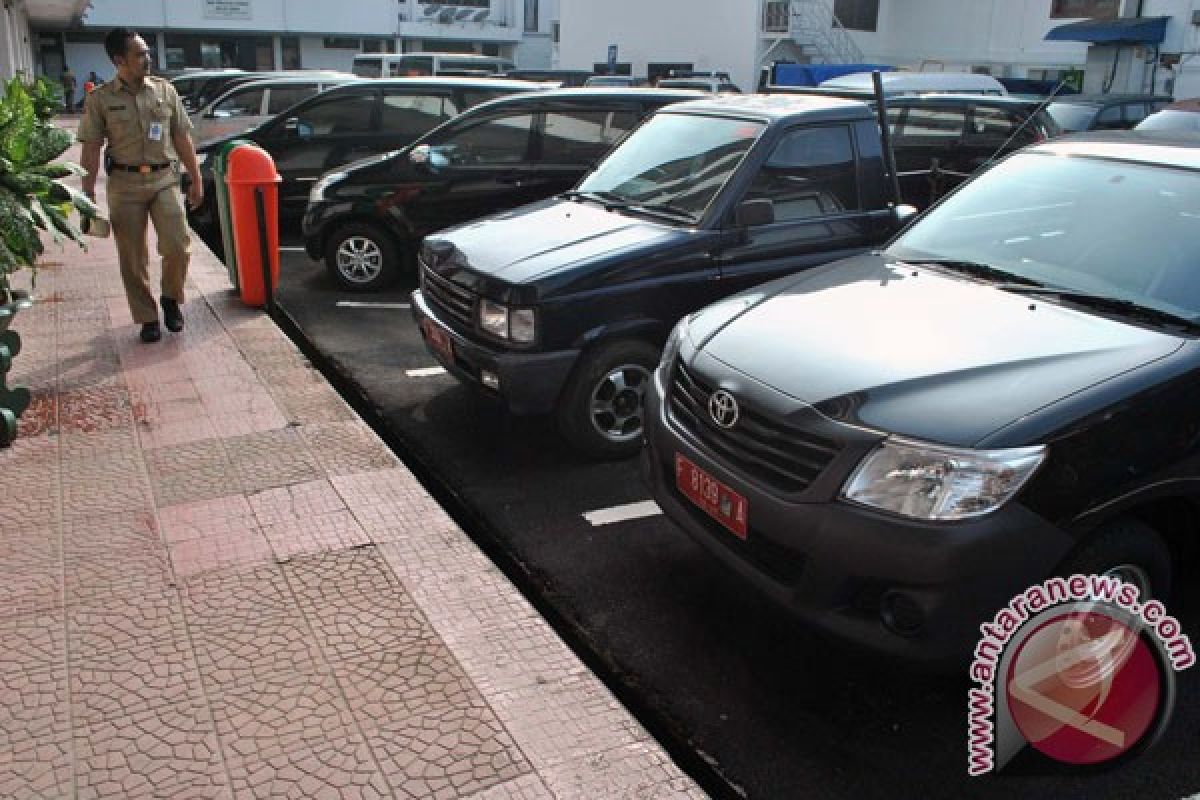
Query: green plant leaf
43, 217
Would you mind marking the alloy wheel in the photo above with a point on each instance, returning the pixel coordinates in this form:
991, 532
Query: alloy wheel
617, 402
359, 259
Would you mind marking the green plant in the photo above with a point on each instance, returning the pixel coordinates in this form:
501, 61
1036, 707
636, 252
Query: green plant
33, 196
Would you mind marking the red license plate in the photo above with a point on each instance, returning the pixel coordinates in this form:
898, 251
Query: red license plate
438, 340
713, 497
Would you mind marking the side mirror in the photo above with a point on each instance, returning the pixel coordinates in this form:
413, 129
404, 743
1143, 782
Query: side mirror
428, 157
753, 213
902, 215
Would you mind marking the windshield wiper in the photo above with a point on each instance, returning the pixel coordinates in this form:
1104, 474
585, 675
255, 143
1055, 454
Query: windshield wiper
662, 210
609, 200
1103, 302
986, 271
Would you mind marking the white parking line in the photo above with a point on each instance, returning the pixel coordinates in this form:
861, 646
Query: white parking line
607, 516
425, 372
292, 249
360, 304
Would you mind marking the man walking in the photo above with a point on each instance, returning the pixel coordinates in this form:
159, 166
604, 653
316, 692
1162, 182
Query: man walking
146, 127
68, 84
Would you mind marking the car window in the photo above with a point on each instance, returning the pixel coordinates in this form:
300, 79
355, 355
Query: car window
1109, 118
473, 97
348, 114
583, 137
415, 66
939, 123
281, 99
1135, 112
498, 140
240, 104
1071, 117
1001, 126
368, 67
810, 173
410, 115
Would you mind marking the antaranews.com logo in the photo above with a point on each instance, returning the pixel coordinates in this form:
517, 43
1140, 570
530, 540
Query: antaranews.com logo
1078, 669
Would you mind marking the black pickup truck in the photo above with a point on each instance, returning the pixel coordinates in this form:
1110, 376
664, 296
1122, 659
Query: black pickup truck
562, 306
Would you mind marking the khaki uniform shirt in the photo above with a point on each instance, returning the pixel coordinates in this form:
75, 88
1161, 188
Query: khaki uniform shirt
138, 124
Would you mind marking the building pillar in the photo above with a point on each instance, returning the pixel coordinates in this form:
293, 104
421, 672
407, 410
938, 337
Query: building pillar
277, 52
160, 44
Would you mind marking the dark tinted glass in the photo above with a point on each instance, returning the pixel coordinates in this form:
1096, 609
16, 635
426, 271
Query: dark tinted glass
350, 114
241, 104
408, 115
810, 173
583, 137
999, 125
500, 140
281, 99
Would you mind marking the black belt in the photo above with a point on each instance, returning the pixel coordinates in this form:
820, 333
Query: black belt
142, 168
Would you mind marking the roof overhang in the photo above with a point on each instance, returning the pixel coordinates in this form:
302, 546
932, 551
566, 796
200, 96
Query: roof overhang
55, 13
1124, 30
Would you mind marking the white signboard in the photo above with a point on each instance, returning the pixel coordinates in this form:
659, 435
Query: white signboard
227, 9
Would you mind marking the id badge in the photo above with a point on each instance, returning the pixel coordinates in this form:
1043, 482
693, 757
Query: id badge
156, 131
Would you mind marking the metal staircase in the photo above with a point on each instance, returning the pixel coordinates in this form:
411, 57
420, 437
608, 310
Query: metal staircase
816, 29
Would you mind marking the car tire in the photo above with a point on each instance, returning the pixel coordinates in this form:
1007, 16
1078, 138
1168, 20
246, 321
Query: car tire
601, 410
362, 257
1126, 548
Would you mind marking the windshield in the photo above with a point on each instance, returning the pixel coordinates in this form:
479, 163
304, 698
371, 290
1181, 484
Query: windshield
1127, 231
677, 160
1188, 121
1072, 117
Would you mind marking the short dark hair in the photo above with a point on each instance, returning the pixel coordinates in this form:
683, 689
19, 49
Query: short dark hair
117, 42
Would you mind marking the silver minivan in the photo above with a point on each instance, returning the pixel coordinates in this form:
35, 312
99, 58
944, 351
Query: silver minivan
250, 104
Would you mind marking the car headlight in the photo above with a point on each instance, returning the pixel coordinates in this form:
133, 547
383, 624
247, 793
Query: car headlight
927, 481
493, 318
674, 341
318, 190
522, 326
516, 324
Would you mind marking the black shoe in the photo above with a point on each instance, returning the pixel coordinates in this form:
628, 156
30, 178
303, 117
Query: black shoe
171, 314
151, 332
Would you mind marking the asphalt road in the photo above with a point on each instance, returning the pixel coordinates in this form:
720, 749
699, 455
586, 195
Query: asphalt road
750, 702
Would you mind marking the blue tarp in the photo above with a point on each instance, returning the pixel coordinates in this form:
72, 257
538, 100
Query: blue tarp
1126, 30
813, 74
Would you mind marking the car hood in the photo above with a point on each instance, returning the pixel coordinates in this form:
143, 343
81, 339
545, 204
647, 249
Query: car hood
550, 236
916, 352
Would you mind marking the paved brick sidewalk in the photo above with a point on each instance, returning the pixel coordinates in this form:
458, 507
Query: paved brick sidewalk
215, 581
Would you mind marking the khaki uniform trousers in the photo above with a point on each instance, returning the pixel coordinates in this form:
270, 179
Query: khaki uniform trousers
132, 198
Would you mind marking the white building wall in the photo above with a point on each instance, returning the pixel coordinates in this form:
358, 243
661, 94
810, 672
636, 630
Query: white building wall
1008, 36
711, 35
364, 17
85, 57
535, 52
313, 55
16, 42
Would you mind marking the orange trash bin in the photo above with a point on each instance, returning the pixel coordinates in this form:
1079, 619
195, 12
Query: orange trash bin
249, 169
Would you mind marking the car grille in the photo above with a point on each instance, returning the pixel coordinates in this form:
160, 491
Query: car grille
776, 454
457, 302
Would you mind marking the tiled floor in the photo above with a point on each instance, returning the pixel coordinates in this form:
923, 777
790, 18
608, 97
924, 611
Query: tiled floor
215, 581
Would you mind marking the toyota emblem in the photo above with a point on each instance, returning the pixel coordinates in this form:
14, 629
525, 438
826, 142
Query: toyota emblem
723, 409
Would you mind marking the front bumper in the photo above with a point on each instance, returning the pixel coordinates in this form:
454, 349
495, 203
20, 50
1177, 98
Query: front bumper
530, 383
912, 589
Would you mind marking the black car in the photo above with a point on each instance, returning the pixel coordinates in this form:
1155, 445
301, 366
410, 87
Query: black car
367, 219
1104, 112
348, 123
894, 445
960, 133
